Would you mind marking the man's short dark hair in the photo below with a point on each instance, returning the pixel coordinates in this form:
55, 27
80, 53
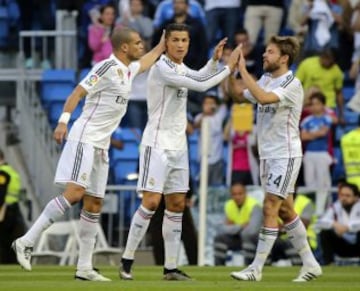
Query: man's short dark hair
176, 27
354, 188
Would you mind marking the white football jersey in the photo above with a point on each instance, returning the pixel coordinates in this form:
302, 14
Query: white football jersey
278, 123
337, 213
108, 85
167, 90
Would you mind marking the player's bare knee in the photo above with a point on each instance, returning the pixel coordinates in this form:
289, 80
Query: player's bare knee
150, 204
283, 211
74, 194
286, 214
176, 206
270, 207
93, 204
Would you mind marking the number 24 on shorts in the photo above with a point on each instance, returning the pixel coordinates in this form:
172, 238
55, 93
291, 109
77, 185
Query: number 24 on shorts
274, 180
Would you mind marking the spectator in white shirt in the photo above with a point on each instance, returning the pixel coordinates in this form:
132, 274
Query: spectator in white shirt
340, 225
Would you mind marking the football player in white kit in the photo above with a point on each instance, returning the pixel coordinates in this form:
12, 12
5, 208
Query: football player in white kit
279, 97
164, 163
83, 164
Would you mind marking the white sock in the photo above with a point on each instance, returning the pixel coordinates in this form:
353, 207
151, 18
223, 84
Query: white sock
171, 230
139, 225
297, 235
52, 212
87, 231
267, 237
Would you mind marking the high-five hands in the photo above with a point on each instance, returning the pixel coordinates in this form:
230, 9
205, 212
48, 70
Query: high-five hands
234, 57
218, 50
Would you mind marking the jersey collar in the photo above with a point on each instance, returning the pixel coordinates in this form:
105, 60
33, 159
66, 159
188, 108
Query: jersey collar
120, 63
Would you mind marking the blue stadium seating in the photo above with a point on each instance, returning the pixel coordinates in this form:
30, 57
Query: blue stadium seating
348, 93
56, 85
4, 26
351, 117
193, 156
83, 73
55, 109
338, 169
129, 152
131, 134
123, 168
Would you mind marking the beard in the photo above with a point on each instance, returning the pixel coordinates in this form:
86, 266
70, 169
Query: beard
347, 207
271, 67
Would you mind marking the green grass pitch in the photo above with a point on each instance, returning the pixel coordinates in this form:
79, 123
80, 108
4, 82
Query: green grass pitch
55, 278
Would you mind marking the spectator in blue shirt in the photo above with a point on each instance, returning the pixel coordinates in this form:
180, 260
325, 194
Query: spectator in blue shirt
314, 131
165, 11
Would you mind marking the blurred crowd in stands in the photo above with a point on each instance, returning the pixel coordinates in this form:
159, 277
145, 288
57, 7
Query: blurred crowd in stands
329, 31
329, 69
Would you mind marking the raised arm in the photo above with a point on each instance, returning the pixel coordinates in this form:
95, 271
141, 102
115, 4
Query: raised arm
235, 89
200, 83
256, 91
150, 58
212, 65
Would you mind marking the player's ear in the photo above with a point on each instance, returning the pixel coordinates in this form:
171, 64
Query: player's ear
124, 47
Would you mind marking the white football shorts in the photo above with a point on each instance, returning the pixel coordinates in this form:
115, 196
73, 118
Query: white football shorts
163, 171
85, 165
279, 176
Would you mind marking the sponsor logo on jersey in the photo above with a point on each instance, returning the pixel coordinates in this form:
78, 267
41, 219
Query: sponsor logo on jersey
181, 93
121, 100
267, 109
92, 80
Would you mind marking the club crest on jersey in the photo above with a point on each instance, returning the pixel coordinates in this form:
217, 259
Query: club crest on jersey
180, 70
121, 75
83, 177
92, 80
151, 182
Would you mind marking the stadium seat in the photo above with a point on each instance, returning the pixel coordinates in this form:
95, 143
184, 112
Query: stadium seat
50, 240
348, 93
131, 134
129, 152
83, 73
4, 26
351, 117
123, 167
56, 85
56, 108
193, 156
339, 132
338, 169
193, 141
101, 247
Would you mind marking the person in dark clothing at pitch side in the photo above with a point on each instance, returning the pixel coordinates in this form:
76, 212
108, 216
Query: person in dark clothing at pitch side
11, 220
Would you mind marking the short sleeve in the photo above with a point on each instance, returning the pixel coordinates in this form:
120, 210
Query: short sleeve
91, 81
134, 68
290, 94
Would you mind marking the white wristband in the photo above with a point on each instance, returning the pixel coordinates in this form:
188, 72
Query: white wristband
64, 117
